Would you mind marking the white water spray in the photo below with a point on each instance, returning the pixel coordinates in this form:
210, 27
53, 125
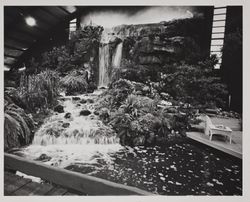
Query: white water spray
85, 140
106, 61
117, 56
103, 65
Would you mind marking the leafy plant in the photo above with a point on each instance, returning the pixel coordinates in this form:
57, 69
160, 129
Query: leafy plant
18, 127
40, 90
75, 82
183, 82
13, 96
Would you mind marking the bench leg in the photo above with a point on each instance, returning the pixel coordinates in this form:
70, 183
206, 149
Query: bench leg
211, 135
230, 140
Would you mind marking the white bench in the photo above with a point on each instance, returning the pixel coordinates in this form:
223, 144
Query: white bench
211, 129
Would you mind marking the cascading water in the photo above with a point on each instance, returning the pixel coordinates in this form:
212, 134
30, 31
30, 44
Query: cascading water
117, 56
103, 65
75, 140
105, 62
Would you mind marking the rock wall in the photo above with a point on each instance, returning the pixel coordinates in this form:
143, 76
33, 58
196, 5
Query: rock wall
165, 42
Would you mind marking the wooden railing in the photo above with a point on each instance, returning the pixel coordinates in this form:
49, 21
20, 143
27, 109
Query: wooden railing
80, 182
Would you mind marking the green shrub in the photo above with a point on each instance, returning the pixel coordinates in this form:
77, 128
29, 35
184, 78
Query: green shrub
194, 84
74, 82
13, 96
40, 90
18, 127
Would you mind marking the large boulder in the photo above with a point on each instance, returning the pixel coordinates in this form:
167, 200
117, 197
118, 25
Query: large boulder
83, 101
65, 125
43, 157
85, 112
91, 101
67, 115
75, 98
59, 109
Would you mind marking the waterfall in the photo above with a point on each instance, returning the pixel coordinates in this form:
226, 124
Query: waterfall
105, 62
117, 56
103, 65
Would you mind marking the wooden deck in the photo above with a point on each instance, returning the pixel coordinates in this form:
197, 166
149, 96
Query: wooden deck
17, 186
219, 142
62, 182
233, 149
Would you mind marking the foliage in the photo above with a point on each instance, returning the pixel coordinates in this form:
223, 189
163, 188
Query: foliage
12, 96
184, 81
138, 121
40, 90
120, 90
58, 58
137, 118
75, 82
18, 127
82, 46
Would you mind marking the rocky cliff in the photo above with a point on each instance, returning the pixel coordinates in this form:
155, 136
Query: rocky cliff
164, 42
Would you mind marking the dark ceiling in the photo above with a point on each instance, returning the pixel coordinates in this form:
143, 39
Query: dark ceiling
19, 37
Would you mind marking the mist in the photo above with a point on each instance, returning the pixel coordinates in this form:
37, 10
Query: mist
113, 17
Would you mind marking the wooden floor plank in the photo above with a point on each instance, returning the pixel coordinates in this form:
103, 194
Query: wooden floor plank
33, 188
17, 186
13, 183
57, 191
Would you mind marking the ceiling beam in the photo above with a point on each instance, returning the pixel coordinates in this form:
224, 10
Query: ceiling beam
64, 10
25, 42
50, 13
11, 56
30, 34
13, 48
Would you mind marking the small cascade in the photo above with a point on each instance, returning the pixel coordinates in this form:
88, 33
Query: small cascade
76, 138
79, 130
116, 62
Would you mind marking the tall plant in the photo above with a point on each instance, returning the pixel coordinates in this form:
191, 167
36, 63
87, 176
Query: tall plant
40, 90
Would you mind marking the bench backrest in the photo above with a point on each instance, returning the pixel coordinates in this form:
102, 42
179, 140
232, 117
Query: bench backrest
208, 124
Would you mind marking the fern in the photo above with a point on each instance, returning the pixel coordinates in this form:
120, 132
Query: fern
40, 90
74, 82
18, 127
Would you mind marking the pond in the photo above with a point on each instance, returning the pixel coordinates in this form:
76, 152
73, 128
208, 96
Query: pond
183, 168
180, 169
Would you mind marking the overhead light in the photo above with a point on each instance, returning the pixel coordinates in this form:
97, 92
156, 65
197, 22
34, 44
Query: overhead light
30, 21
